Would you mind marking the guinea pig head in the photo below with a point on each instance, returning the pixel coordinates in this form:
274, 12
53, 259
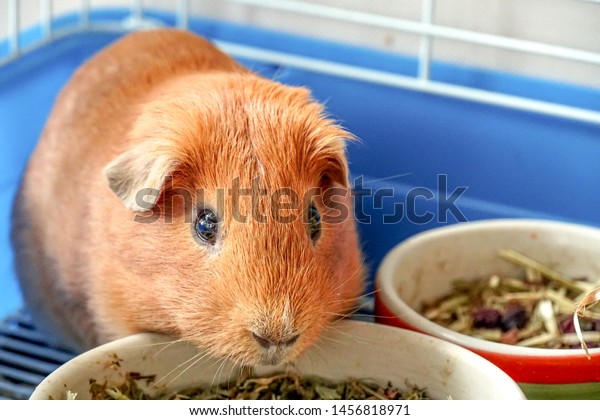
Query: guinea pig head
245, 182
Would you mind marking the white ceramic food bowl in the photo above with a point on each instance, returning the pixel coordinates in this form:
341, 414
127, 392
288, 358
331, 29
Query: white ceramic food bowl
355, 349
421, 269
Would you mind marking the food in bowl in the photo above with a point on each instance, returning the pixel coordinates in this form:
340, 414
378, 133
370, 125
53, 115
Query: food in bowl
421, 268
279, 386
534, 309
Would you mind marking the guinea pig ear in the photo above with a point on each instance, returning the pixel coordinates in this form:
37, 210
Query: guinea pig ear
331, 149
335, 170
137, 175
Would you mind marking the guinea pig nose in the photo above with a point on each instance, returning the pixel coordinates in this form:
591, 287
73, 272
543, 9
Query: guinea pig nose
267, 342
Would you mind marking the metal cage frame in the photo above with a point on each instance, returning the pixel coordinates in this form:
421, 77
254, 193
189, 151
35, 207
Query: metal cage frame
426, 29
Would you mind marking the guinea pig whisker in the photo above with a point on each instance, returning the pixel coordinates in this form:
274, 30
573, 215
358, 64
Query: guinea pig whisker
169, 345
359, 301
166, 345
335, 329
176, 368
318, 352
348, 313
192, 361
367, 294
351, 277
358, 317
338, 316
383, 316
231, 369
195, 358
236, 362
218, 373
331, 339
362, 300
216, 361
291, 366
351, 311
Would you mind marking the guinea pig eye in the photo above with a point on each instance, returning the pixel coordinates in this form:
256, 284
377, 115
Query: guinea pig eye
207, 226
314, 223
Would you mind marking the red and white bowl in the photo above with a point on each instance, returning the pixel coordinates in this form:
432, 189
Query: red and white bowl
421, 269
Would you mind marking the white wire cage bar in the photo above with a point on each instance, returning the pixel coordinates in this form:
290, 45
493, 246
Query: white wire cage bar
426, 29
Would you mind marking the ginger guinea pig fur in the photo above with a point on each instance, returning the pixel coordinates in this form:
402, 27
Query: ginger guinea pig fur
175, 191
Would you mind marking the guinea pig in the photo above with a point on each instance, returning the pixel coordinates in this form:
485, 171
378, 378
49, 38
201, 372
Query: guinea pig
175, 191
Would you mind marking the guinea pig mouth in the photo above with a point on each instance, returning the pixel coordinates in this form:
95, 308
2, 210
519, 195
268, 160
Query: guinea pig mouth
273, 356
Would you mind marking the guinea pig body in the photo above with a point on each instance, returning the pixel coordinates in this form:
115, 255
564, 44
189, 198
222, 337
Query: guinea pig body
174, 191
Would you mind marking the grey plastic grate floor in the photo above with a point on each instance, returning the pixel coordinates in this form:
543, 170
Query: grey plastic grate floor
25, 357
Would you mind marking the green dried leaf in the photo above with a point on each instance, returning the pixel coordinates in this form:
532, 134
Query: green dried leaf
281, 386
327, 393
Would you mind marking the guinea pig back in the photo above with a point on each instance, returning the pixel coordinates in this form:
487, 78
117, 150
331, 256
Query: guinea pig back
172, 190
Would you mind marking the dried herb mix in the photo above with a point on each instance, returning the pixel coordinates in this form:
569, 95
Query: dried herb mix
588, 300
534, 310
284, 386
